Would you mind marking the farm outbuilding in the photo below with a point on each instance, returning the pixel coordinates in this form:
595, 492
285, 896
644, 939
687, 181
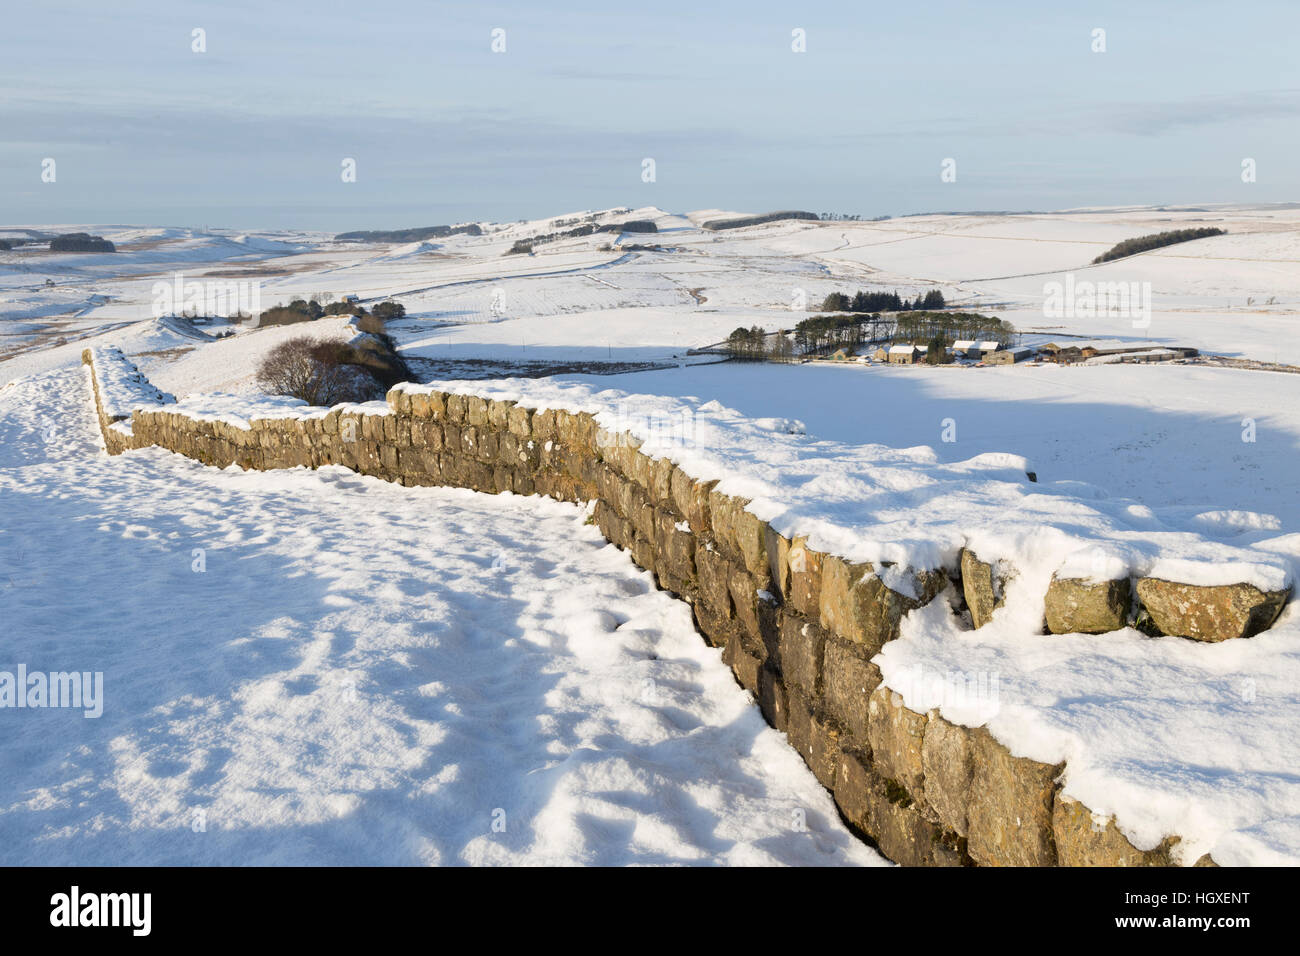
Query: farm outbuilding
965, 348
1064, 354
1117, 349
905, 354
1010, 356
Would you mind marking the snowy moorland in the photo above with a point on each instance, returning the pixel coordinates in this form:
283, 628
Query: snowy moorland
367, 673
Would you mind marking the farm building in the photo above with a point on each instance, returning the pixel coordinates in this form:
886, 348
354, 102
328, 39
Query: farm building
965, 348
1115, 349
905, 354
985, 349
881, 354
1065, 354
1110, 347
1010, 356
1143, 356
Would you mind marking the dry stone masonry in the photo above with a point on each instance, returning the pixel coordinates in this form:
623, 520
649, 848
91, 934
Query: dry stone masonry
798, 628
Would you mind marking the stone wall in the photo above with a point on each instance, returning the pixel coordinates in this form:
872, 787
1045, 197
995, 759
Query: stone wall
117, 385
798, 628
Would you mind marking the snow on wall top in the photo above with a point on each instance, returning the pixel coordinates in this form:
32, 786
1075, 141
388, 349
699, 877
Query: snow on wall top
903, 505
122, 387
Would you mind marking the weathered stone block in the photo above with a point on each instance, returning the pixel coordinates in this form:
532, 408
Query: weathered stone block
1010, 814
751, 543
642, 513
744, 600
676, 548
896, 735
1210, 613
805, 566
498, 413
639, 467
476, 410
366, 455
772, 699
884, 811
948, 767
544, 426
399, 400
802, 645
849, 679
1077, 606
372, 427
814, 738
724, 509
982, 587
660, 486
778, 561
519, 422
714, 577
433, 435
577, 430
643, 551
503, 479
744, 660
507, 450
528, 455
716, 628
1085, 839
855, 603
697, 510
613, 527
680, 491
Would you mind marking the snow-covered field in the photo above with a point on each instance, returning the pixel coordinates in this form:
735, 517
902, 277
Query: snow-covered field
364, 673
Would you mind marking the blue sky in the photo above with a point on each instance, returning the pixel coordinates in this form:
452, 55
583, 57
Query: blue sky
252, 133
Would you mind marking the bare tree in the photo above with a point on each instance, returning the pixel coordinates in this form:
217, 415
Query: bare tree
314, 370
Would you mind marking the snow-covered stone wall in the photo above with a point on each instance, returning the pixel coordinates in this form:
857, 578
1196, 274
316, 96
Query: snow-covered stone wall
799, 627
118, 387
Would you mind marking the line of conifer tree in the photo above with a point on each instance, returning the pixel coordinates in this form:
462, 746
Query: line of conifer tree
1131, 247
882, 302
